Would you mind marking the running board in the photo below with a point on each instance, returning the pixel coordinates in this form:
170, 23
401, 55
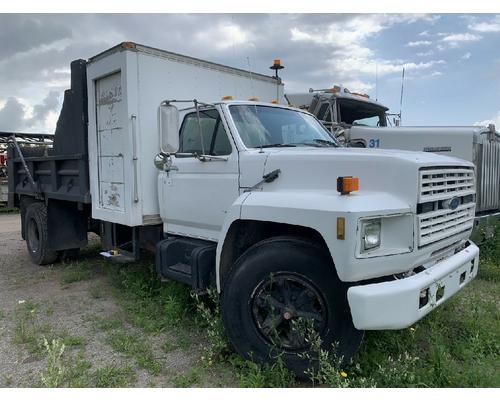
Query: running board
190, 261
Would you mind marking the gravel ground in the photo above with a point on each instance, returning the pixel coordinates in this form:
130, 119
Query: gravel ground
68, 310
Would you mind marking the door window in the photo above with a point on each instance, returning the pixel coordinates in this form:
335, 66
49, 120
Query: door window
215, 139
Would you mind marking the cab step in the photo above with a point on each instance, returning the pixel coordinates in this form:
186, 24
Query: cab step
119, 256
190, 261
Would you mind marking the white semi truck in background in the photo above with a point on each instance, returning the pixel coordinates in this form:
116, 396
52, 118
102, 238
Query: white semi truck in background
253, 197
358, 121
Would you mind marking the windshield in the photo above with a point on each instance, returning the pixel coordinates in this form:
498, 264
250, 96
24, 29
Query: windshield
354, 112
263, 126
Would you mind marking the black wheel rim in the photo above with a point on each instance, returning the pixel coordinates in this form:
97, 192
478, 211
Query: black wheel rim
33, 235
285, 306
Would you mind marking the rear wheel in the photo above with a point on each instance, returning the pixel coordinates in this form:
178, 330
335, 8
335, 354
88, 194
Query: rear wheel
37, 236
274, 288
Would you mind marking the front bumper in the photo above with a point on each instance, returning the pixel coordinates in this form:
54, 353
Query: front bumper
396, 304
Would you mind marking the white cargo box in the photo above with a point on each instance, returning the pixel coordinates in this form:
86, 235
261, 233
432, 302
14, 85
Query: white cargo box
126, 85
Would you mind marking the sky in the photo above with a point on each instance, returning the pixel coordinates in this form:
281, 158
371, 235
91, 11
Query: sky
451, 61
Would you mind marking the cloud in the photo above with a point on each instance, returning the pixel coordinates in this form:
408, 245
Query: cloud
12, 115
494, 120
15, 116
348, 57
466, 56
224, 36
486, 27
21, 33
435, 73
461, 37
42, 110
425, 53
317, 50
419, 43
456, 39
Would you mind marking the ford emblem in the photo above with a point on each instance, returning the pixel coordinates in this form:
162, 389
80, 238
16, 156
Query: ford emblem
452, 203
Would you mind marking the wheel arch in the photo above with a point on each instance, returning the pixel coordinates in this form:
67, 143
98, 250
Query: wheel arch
244, 233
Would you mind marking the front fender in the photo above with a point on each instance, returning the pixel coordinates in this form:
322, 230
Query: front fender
318, 210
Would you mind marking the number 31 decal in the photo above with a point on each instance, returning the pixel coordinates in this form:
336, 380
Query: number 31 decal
374, 143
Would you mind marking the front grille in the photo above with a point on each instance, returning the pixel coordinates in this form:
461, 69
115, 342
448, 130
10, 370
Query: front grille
442, 224
437, 187
443, 183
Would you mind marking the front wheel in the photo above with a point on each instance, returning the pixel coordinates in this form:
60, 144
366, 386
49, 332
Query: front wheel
277, 290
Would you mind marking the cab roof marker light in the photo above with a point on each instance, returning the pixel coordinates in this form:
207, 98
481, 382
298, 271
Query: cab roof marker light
361, 94
128, 45
227, 98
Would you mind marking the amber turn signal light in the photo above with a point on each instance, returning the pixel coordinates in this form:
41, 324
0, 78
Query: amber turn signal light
347, 184
341, 228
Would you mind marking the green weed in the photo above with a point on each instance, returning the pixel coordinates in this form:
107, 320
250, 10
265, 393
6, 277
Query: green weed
76, 272
8, 210
51, 378
253, 375
208, 311
189, 378
113, 376
134, 346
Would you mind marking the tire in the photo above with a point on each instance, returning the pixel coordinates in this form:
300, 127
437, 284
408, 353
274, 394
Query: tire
292, 263
35, 222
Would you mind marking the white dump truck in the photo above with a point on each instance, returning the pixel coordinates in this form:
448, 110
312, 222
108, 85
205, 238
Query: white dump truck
356, 120
254, 198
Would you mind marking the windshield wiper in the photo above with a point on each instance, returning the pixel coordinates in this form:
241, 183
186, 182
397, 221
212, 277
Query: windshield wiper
325, 142
275, 145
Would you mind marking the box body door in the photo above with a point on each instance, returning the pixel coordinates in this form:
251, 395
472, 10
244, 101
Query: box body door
111, 139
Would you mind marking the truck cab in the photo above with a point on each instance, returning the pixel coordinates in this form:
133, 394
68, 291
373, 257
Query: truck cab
340, 106
268, 185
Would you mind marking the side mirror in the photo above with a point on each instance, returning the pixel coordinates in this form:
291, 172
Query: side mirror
168, 121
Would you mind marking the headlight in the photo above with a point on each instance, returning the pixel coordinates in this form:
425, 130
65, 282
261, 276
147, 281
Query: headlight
371, 234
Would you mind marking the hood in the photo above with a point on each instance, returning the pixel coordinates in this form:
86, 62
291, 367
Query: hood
454, 141
317, 169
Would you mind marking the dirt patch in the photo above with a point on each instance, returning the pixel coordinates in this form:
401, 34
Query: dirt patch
46, 302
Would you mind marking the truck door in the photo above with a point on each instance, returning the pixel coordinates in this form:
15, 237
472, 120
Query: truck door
195, 195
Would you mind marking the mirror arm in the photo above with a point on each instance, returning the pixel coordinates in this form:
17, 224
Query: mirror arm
206, 157
199, 125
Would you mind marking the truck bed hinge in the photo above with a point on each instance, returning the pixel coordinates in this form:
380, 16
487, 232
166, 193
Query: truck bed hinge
267, 178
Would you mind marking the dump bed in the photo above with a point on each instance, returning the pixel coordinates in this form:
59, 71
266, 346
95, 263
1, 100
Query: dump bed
56, 171
126, 85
